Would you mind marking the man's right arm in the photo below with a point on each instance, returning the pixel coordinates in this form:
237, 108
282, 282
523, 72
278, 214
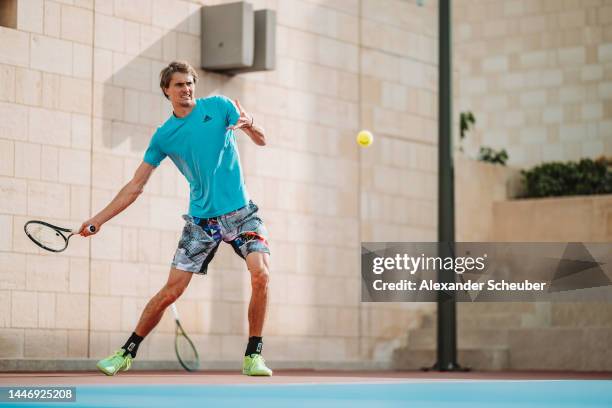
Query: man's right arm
126, 196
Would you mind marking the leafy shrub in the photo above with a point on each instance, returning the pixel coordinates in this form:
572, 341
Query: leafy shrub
555, 179
489, 155
466, 120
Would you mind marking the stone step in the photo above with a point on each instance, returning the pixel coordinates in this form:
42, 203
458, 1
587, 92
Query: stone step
481, 320
475, 359
426, 339
407, 359
490, 321
547, 348
466, 308
559, 348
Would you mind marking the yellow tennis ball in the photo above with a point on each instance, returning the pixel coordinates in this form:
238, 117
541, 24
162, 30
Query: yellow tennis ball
365, 138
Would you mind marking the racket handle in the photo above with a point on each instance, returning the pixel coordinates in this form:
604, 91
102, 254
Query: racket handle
174, 311
90, 228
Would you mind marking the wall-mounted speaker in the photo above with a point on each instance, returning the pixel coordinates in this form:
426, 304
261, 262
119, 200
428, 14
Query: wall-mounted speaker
235, 39
227, 36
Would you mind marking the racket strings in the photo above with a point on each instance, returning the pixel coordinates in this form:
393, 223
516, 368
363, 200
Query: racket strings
47, 236
186, 352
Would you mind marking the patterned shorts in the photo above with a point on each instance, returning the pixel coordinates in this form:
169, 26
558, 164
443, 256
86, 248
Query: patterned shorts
242, 229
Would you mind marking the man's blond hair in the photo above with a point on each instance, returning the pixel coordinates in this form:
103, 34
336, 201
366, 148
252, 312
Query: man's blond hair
165, 76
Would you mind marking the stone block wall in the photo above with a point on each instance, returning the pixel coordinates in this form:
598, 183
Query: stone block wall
78, 103
536, 74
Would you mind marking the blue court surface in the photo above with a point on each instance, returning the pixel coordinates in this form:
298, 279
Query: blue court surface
430, 394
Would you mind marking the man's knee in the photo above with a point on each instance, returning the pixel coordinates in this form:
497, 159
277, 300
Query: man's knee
259, 275
176, 285
172, 291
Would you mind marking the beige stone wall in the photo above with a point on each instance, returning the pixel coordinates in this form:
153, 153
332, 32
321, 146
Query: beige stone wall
561, 335
478, 187
399, 171
523, 336
45, 139
567, 219
78, 103
537, 75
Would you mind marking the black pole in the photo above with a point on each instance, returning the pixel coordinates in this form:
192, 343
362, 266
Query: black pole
447, 313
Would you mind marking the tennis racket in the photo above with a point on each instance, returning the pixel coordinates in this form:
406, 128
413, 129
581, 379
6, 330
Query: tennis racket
49, 236
183, 346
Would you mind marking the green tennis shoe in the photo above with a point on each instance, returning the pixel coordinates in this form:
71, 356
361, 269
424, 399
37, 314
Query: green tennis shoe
115, 363
255, 365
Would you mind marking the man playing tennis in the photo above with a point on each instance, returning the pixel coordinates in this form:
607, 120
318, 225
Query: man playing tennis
199, 138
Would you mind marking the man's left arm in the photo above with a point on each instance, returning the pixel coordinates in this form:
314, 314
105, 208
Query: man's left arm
246, 124
256, 134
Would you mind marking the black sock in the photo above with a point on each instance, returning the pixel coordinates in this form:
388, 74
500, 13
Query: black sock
131, 346
254, 347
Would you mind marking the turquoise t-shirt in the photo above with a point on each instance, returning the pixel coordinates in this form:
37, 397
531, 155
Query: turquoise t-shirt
206, 154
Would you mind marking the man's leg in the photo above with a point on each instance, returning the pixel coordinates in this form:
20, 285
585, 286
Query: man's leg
178, 281
258, 265
154, 310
